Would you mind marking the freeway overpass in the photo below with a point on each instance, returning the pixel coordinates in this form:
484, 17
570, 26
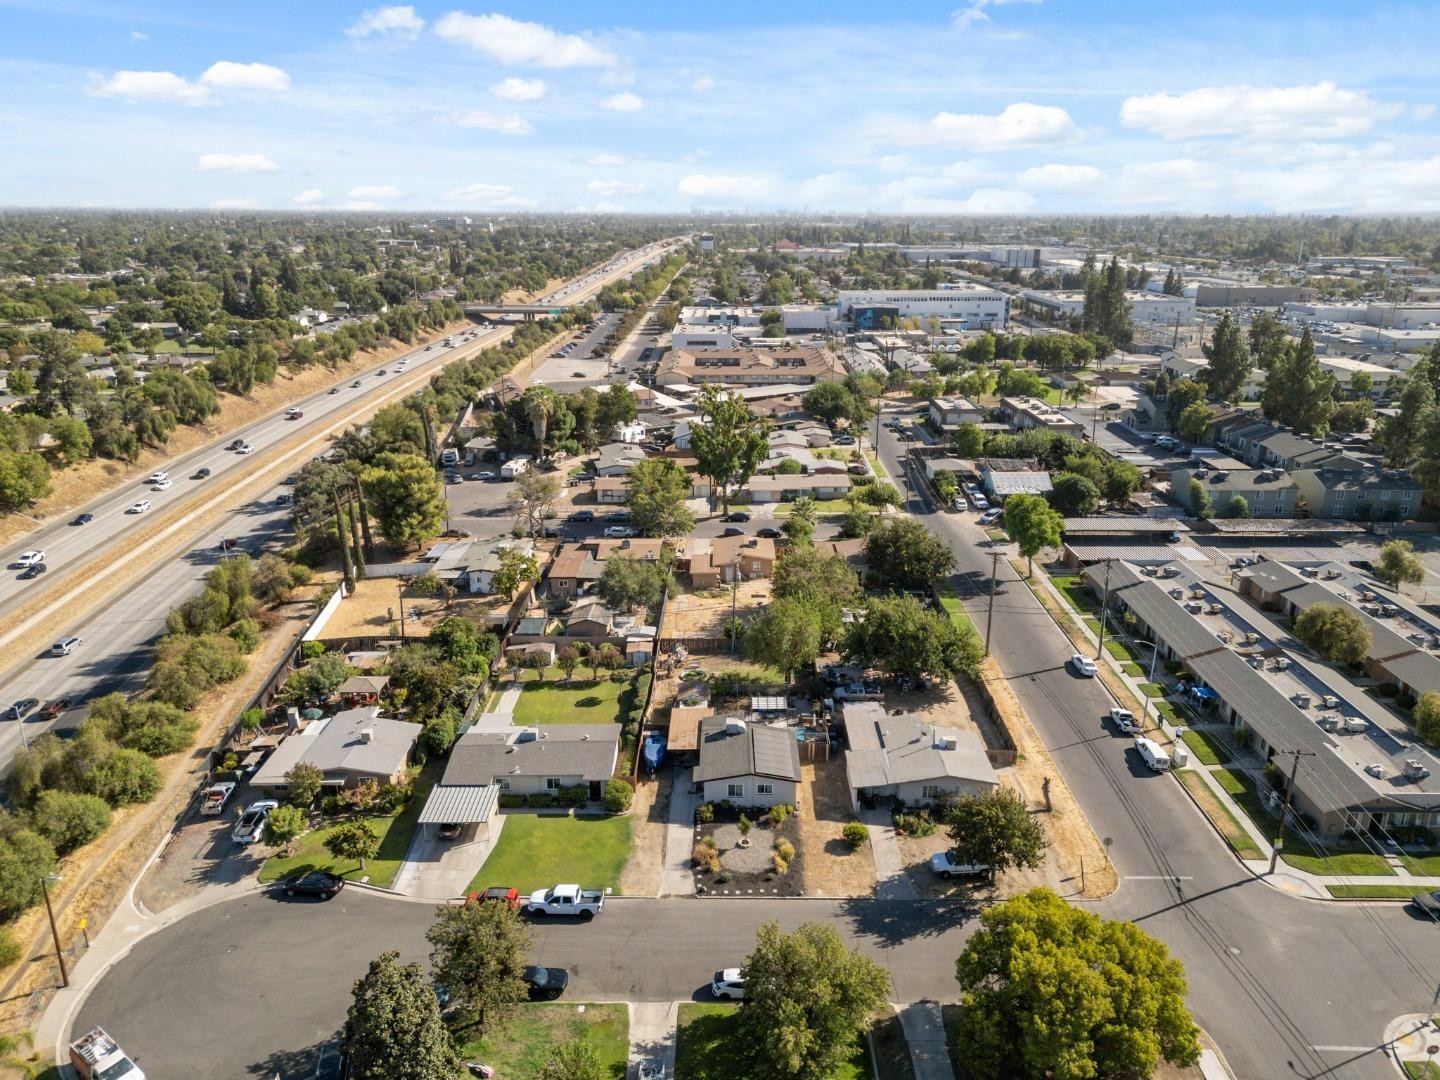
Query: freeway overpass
527, 311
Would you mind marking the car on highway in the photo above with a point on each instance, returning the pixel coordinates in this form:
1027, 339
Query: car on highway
283, 499
65, 646
545, 983
157, 477
355, 385
83, 519
1428, 903
382, 371
1083, 665
728, 983
22, 708
1125, 722
245, 448
736, 515
56, 707
163, 485
139, 506
29, 558
251, 825
733, 532
34, 570
235, 444
321, 884
333, 390
293, 414
577, 374
619, 532
202, 474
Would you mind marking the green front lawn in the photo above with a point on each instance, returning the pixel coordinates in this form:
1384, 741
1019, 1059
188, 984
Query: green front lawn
580, 701
953, 605
519, 1048
1422, 865
1118, 650
536, 851
1225, 821
1373, 892
1422, 1070
1206, 747
394, 832
707, 1046
1073, 588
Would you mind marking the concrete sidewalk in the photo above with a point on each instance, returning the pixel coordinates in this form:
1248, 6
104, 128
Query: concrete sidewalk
891, 881
925, 1032
652, 1036
677, 878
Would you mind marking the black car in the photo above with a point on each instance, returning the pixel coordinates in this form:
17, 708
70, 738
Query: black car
769, 533
83, 519
22, 708
1429, 903
733, 532
736, 515
34, 570
582, 515
283, 499
321, 884
546, 983
1363, 564
202, 474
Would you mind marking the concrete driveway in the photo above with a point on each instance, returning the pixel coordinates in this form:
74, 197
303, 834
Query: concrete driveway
436, 869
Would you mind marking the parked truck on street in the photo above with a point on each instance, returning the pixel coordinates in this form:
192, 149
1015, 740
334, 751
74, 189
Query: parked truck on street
96, 1056
566, 900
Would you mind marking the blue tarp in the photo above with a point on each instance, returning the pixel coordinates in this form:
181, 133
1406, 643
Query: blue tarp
653, 752
1204, 694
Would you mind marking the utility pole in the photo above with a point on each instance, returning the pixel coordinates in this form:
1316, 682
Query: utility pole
1296, 755
990, 608
402, 610
1104, 604
45, 880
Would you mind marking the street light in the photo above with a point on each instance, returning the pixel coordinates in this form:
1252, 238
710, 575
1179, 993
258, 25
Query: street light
54, 933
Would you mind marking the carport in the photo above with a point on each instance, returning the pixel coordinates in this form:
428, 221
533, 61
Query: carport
439, 869
469, 805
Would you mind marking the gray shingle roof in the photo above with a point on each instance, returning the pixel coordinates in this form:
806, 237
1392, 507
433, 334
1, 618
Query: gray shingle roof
756, 750
887, 750
483, 757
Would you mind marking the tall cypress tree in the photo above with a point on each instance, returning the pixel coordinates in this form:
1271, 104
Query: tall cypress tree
1229, 360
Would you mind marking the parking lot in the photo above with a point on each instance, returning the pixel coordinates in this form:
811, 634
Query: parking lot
584, 364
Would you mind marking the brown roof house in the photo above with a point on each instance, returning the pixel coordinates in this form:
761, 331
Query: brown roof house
361, 690
719, 561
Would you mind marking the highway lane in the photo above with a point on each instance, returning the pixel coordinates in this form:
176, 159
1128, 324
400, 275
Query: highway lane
117, 639
67, 545
1272, 976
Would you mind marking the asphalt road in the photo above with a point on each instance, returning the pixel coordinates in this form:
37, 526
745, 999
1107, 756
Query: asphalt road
116, 641
1287, 986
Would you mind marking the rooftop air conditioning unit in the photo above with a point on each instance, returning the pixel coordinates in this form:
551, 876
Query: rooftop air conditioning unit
1330, 701
1309, 571
734, 726
1178, 594
1331, 574
1414, 770
945, 742
1282, 663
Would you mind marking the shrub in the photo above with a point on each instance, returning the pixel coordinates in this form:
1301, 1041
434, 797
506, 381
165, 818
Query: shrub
331, 805
10, 950
511, 801
284, 824
125, 776
25, 857
705, 858
744, 825
618, 796
785, 850
779, 812
361, 797
779, 863
252, 718
540, 800
390, 798
855, 834
246, 634
574, 796
917, 824
705, 813
305, 781
309, 650
69, 820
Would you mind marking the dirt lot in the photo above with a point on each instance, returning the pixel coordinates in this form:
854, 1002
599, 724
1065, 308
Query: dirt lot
703, 614
832, 868
651, 810
373, 610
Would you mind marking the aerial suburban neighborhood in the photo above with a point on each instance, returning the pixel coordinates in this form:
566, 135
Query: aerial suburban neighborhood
557, 560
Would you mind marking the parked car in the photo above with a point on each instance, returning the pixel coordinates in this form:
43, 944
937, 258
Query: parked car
958, 504
451, 830
618, 515
83, 519
34, 570
1125, 722
216, 797
736, 515
485, 474
943, 864
980, 502
320, 884
29, 558
991, 516
58, 706
1152, 753
1429, 903
857, 469
251, 825
769, 534
1083, 665
733, 532
845, 440
582, 515
545, 983
496, 894
858, 692
566, 900
619, 532
22, 708
728, 983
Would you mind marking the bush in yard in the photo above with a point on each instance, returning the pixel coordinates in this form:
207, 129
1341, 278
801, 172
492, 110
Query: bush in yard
779, 812
918, 824
575, 795
779, 862
744, 825
437, 734
309, 650
785, 850
511, 801
540, 800
705, 813
305, 781
353, 840
705, 858
69, 820
573, 1059
252, 718
855, 834
618, 796
284, 825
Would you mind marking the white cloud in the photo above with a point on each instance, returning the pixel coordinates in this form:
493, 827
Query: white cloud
702, 83
258, 78
376, 191
511, 41
139, 35
1017, 127
606, 159
610, 188
1067, 178
625, 102
236, 204
360, 204
501, 123
236, 163
1321, 110
716, 188
974, 11
1422, 112
398, 22
489, 196
309, 197
163, 86
513, 89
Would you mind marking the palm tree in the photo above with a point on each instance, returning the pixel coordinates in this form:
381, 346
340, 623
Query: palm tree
11, 1047
539, 408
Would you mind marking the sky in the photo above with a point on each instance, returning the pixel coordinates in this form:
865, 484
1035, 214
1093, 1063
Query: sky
967, 107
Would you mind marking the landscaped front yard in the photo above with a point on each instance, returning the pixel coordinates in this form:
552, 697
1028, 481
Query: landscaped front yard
536, 851
580, 701
708, 1047
519, 1048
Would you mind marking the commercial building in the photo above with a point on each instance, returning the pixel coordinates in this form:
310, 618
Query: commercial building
748, 367
1247, 295
976, 308
1145, 307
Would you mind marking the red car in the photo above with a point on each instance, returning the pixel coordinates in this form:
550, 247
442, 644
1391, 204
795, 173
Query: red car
509, 897
58, 706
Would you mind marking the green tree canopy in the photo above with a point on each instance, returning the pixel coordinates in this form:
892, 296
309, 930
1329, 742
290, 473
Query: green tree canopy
1033, 524
627, 583
393, 1030
658, 490
995, 829
728, 441
1229, 357
902, 552
1399, 565
477, 952
902, 636
790, 634
1334, 631
1073, 495
405, 497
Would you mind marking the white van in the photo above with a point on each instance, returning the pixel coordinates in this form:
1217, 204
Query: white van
1154, 755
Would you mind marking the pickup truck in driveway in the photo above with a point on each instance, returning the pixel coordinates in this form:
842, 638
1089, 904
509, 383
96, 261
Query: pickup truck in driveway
566, 900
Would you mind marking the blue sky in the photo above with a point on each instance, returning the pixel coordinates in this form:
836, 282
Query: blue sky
977, 106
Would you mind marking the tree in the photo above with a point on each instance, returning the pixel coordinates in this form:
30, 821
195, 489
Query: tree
858, 520
1180, 395
73, 441
284, 824
1122, 480
1229, 357
477, 953
573, 1059
1198, 497
353, 840
1073, 495
1194, 420
627, 583
658, 490
25, 858
393, 1030
321, 677
1402, 435
1427, 717
808, 1000
1050, 990
1267, 339
969, 440
1033, 524
808, 574
304, 782
68, 819
800, 525
788, 635
24, 479
1399, 565
995, 829
540, 405
533, 497
405, 495
464, 644
516, 568
727, 440
904, 553
832, 402
1334, 631
1237, 507
902, 636
567, 659
1297, 392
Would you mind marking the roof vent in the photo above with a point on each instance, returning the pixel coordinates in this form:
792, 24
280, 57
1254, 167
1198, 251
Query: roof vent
1414, 770
367, 735
734, 725
1376, 770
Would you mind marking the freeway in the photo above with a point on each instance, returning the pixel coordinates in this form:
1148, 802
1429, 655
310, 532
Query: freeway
1284, 984
116, 639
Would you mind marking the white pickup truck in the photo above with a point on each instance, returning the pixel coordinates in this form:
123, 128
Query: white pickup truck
566, 900
96, 1056
944, 865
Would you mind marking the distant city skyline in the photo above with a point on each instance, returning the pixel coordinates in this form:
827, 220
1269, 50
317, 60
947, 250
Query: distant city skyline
982, 106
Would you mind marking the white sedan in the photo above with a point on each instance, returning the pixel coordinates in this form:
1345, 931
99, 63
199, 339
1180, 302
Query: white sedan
619, 532
30, 558
157, 477
245, 448
1083, 665
139, 507
161, 485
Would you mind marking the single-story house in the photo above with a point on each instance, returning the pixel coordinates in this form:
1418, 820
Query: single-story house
618, 458
349, 747
590, 618
612, 490
577, 566
788, 488
718, 561
747, 764
528, 761
361, 690
908, 758
484, 561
